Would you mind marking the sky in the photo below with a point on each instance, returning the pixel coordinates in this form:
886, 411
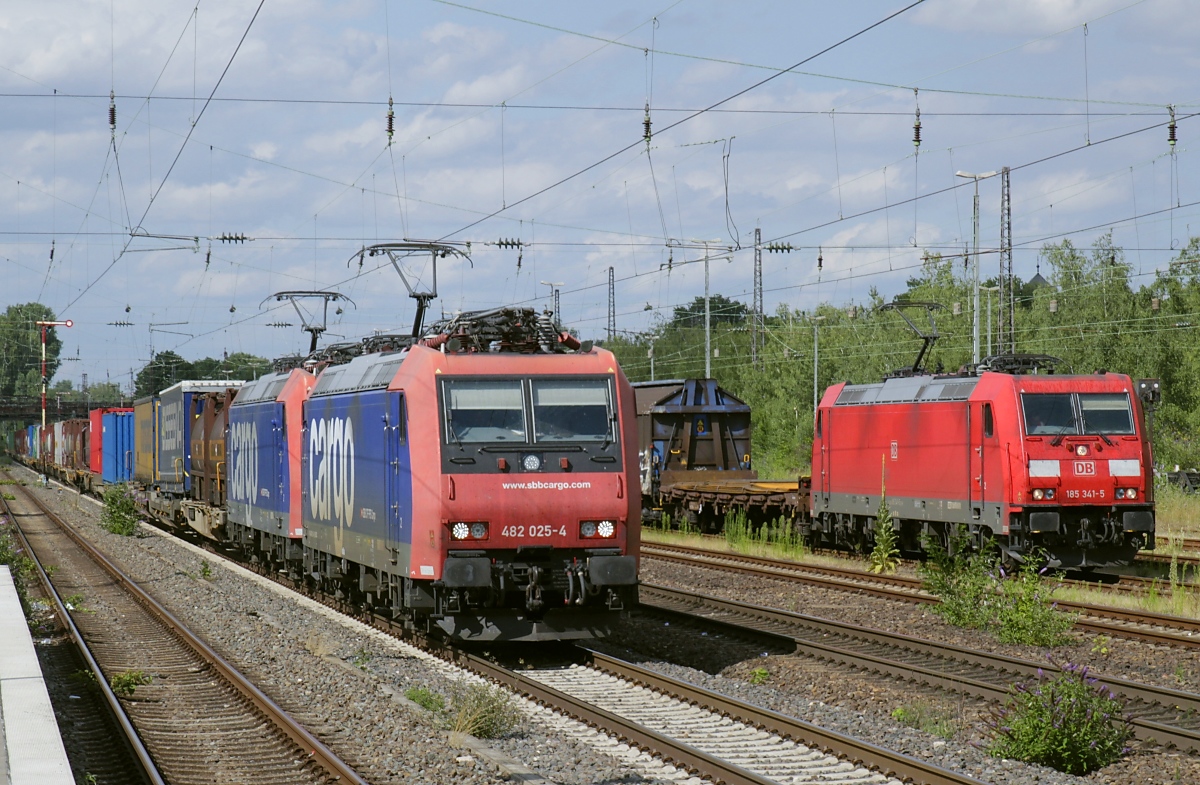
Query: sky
519, 129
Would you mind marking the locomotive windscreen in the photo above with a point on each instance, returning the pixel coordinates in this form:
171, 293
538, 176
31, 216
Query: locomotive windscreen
485, 411
1055, 414
572, 410
1049, 414
552, 409
1106, 413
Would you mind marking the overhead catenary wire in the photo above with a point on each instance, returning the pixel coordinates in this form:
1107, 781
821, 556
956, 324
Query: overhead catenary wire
167, 176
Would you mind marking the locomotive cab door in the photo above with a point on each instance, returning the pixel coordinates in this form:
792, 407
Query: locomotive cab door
397, 462
279, 467
823, 428
980, 427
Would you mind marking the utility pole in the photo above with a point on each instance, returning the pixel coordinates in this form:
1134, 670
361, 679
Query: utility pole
816, 362
554, 296
612, 305
44, 325
707, 322
975, 325
756, 317
1007, 281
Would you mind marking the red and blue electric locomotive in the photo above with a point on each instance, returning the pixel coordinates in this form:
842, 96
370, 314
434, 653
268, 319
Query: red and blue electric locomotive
1056, 463
481, 482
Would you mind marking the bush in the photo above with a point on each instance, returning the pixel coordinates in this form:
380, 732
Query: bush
19, 565
120, 514
960, 578
1070, 723
885, 556
778, 537
925, 717
977, 593
482, 710
426, 699
1025, 613
125, 684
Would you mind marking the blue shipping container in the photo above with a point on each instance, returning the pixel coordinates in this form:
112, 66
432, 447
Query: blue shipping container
117, 447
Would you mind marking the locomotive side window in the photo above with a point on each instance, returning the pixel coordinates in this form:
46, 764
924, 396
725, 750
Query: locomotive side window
1106, 413
572, 410
988, 425
485, 411
1049, 414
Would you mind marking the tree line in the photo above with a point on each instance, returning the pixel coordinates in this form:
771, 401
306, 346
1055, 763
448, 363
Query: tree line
1093, 311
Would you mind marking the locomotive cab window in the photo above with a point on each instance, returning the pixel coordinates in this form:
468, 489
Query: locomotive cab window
572, 410
484, 411
1049, 414
988, 425
1106, 413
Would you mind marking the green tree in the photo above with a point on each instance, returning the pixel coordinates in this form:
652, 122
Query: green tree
164, 370
21, 349
1093, 314
720, 308
106, 393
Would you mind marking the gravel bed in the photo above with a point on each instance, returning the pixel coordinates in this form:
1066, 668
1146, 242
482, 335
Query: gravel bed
863, 704
346, 682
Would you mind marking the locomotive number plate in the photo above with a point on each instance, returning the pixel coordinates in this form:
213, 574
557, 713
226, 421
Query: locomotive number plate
1085, 468
543, 530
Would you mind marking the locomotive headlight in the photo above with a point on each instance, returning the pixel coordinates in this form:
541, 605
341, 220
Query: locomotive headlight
1126, 493
531, 462
597, 529
1049, 494
463, 530
1081, 450
1038, 494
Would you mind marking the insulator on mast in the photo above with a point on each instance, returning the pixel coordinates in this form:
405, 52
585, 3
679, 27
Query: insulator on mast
391, 121
112, 112
646, 124
917, 124
1171, 127
820, 259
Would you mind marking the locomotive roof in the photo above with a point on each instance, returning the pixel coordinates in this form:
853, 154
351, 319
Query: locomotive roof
203, 385
909, 389
368, 372
264, 388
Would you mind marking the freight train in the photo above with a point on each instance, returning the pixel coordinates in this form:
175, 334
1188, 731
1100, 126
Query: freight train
1054, 464
479, 482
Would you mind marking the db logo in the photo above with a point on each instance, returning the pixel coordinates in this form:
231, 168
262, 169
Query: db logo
1085, 468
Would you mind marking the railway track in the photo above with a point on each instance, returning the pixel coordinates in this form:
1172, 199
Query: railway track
711, 735
1137, 625
199, 719
1166, 716
726, 739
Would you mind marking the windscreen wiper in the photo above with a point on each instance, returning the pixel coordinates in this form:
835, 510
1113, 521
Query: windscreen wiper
1058, 437
454, 433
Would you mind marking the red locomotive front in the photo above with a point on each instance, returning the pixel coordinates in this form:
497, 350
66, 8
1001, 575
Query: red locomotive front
527, 521
1057, 463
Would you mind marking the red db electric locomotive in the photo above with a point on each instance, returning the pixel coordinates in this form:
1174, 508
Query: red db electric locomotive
1059, 463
